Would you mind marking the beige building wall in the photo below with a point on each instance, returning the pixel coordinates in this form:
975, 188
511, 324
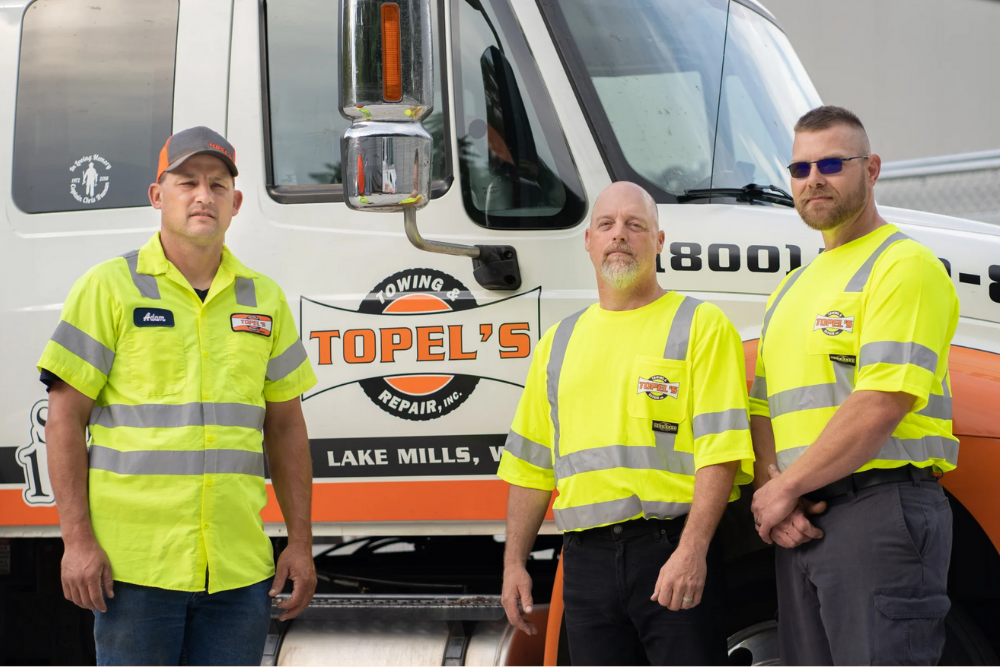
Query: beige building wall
923, 75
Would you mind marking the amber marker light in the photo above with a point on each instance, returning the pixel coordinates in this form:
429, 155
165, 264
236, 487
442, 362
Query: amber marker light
392, 66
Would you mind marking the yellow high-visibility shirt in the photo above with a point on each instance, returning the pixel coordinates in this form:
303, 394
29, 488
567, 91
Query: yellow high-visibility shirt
620, 410
876, 314
176, 458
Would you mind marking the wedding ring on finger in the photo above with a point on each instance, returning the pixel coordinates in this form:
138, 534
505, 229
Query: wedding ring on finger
686, 599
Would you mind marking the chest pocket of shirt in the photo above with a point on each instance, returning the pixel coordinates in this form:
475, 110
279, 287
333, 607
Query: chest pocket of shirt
659, 390
154, 361
836, 325
248, 354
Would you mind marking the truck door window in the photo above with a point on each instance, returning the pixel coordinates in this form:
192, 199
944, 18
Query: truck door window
515, 168
94, 103
302, 96
683, 94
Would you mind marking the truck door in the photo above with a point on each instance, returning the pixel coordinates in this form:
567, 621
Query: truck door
419, 367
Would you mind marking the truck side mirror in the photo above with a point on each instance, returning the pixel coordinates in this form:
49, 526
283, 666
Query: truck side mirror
387, 89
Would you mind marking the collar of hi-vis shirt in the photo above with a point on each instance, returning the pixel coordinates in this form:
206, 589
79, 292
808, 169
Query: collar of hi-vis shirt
153, 262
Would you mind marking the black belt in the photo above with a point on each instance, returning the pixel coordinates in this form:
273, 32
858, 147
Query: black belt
862, 480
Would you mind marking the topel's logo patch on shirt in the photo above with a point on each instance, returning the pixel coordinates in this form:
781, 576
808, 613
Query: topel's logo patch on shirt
658, 387
152, 317
834, 323
665, 427
257, 324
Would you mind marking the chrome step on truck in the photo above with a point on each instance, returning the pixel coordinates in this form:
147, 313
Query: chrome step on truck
394, 629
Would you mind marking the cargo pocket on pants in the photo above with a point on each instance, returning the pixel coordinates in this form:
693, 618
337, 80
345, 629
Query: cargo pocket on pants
909, 626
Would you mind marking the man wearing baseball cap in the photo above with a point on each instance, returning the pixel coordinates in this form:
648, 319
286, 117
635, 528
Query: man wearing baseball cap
177, 357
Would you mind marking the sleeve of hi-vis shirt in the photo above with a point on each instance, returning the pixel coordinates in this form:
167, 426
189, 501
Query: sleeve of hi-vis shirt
289, 373
82, 348
527, 455
720, 418
910, 316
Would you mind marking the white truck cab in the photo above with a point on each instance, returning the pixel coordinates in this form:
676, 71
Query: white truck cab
538, 106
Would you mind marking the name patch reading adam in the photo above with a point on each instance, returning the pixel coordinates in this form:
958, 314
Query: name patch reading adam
152, 317
665, 427
258, 324
849, 359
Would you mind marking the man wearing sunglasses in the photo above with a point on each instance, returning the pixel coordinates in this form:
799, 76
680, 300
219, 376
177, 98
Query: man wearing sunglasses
851, 419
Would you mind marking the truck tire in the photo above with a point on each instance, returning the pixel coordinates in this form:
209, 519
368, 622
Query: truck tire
965, 643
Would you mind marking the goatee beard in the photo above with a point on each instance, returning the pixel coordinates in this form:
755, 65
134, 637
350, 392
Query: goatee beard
846, 207
621, 273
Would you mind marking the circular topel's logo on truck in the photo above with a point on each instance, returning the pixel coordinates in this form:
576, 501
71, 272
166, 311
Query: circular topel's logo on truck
422, 396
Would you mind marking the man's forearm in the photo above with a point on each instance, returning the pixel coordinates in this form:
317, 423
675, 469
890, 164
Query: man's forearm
525, 513
66, 445
290, 465
712, 486
763, 449
858, 429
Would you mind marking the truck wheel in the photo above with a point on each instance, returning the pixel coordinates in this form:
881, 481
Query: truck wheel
755, 645
965, 643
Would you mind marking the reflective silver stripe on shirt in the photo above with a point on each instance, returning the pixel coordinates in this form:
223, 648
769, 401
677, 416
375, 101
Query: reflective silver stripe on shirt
680, 330
528, 450
860, 279
914, 450
637, 457
939, 407
144, 283
711, 423
811, 397
612, 511
286, 362
560, 341
246, 292
158, 415
84, 346
758, 389
209, 461
890, 352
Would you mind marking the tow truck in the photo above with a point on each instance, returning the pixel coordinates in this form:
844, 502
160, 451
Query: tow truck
368, 133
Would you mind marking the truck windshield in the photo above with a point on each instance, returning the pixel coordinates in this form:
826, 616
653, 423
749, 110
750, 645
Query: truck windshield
684, 94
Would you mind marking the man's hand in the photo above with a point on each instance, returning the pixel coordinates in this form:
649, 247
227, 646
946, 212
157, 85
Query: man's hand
682, 576
295, 563
86, 574
772, 504
517, 587
796, 529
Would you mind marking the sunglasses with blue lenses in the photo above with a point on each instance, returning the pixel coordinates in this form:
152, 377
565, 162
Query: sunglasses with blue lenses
828, 165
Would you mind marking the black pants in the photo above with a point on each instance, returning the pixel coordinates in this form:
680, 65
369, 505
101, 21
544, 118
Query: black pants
873, 590
609, 575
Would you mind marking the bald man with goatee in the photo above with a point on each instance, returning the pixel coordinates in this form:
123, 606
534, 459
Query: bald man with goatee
635, 409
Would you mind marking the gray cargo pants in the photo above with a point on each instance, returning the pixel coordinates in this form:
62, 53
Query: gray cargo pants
873, 590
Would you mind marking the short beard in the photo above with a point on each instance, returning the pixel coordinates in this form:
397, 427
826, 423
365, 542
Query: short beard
621, 273
846, 207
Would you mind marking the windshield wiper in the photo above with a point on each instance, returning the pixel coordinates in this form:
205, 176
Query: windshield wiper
747, 194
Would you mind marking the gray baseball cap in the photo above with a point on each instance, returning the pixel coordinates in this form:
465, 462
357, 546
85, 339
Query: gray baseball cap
195, 141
